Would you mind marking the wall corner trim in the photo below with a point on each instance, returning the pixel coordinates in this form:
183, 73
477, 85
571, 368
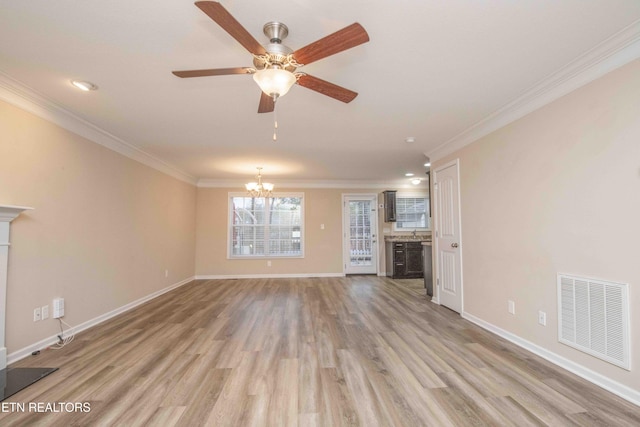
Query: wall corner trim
600, 380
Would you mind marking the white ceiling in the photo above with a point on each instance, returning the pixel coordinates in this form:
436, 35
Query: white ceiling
433, 69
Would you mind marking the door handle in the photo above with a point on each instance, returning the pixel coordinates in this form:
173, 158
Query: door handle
454, 245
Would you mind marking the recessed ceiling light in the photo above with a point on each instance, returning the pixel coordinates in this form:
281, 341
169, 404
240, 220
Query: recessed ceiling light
427, 164
408, 174
416, 181
410, 139
83, 85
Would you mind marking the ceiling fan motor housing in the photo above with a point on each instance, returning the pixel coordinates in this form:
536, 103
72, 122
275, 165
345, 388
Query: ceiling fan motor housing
277, 53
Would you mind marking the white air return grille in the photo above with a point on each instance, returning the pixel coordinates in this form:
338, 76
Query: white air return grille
594, 318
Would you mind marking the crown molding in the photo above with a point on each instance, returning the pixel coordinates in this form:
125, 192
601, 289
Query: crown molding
365, 185
616, 51
25, 98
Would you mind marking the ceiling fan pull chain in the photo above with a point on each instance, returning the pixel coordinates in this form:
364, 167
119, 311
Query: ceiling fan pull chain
275, 121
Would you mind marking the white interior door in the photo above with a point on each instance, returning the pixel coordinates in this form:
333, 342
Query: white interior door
360, 230
448, 238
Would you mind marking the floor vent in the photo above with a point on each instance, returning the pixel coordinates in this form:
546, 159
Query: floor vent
594, 318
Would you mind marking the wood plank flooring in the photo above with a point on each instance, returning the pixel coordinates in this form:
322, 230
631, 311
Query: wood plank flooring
356, 351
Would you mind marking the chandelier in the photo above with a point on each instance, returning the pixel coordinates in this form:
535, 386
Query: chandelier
259, 189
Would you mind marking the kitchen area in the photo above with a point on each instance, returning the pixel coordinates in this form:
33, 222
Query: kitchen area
407, 237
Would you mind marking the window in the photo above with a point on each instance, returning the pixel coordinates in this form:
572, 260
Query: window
412, 212
266, 227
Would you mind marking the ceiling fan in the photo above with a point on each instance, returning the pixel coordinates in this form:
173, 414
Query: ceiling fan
275, 64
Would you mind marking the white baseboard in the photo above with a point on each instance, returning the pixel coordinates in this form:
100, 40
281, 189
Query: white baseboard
26, 351
266, 276
608, 384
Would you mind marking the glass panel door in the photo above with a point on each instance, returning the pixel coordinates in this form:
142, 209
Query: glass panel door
360, 235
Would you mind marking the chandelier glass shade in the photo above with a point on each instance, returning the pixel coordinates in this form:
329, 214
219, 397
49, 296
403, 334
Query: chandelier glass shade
259, 189
275, 82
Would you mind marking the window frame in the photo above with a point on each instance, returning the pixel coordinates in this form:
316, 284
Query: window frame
414, 195
230, 213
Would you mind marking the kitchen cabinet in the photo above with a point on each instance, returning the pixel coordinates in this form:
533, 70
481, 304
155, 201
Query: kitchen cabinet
389, 205
404, 260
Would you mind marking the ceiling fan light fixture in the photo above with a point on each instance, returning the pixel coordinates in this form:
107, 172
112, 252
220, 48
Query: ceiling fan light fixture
274, 81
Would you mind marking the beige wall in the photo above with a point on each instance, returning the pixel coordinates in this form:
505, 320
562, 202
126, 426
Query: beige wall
557, 191
323, 254
103, 231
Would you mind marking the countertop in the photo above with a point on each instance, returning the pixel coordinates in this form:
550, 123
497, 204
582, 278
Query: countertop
418, 238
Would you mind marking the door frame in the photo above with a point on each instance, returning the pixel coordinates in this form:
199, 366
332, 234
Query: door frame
434, 224
375, 217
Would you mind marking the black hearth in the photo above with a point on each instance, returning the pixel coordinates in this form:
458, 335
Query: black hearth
12, 380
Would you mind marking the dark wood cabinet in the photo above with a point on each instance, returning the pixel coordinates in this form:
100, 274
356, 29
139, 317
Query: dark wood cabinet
404, 260
389, 205
413, 259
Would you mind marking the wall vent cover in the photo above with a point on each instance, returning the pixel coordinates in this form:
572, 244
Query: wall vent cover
593, 316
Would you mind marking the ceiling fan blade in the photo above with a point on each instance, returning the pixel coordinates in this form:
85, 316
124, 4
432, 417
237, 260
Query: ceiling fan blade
326, 88
222, 17
266, 103
344, 39
213, 72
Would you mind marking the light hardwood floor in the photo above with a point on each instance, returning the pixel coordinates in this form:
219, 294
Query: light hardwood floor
361, 350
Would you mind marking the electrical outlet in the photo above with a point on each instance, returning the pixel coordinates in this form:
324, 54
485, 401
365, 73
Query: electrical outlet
37, 315
512, 307
268, 263
45, 312
58, 308
542, 318
166, 273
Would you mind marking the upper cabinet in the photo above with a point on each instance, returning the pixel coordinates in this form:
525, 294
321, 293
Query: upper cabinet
389, 205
